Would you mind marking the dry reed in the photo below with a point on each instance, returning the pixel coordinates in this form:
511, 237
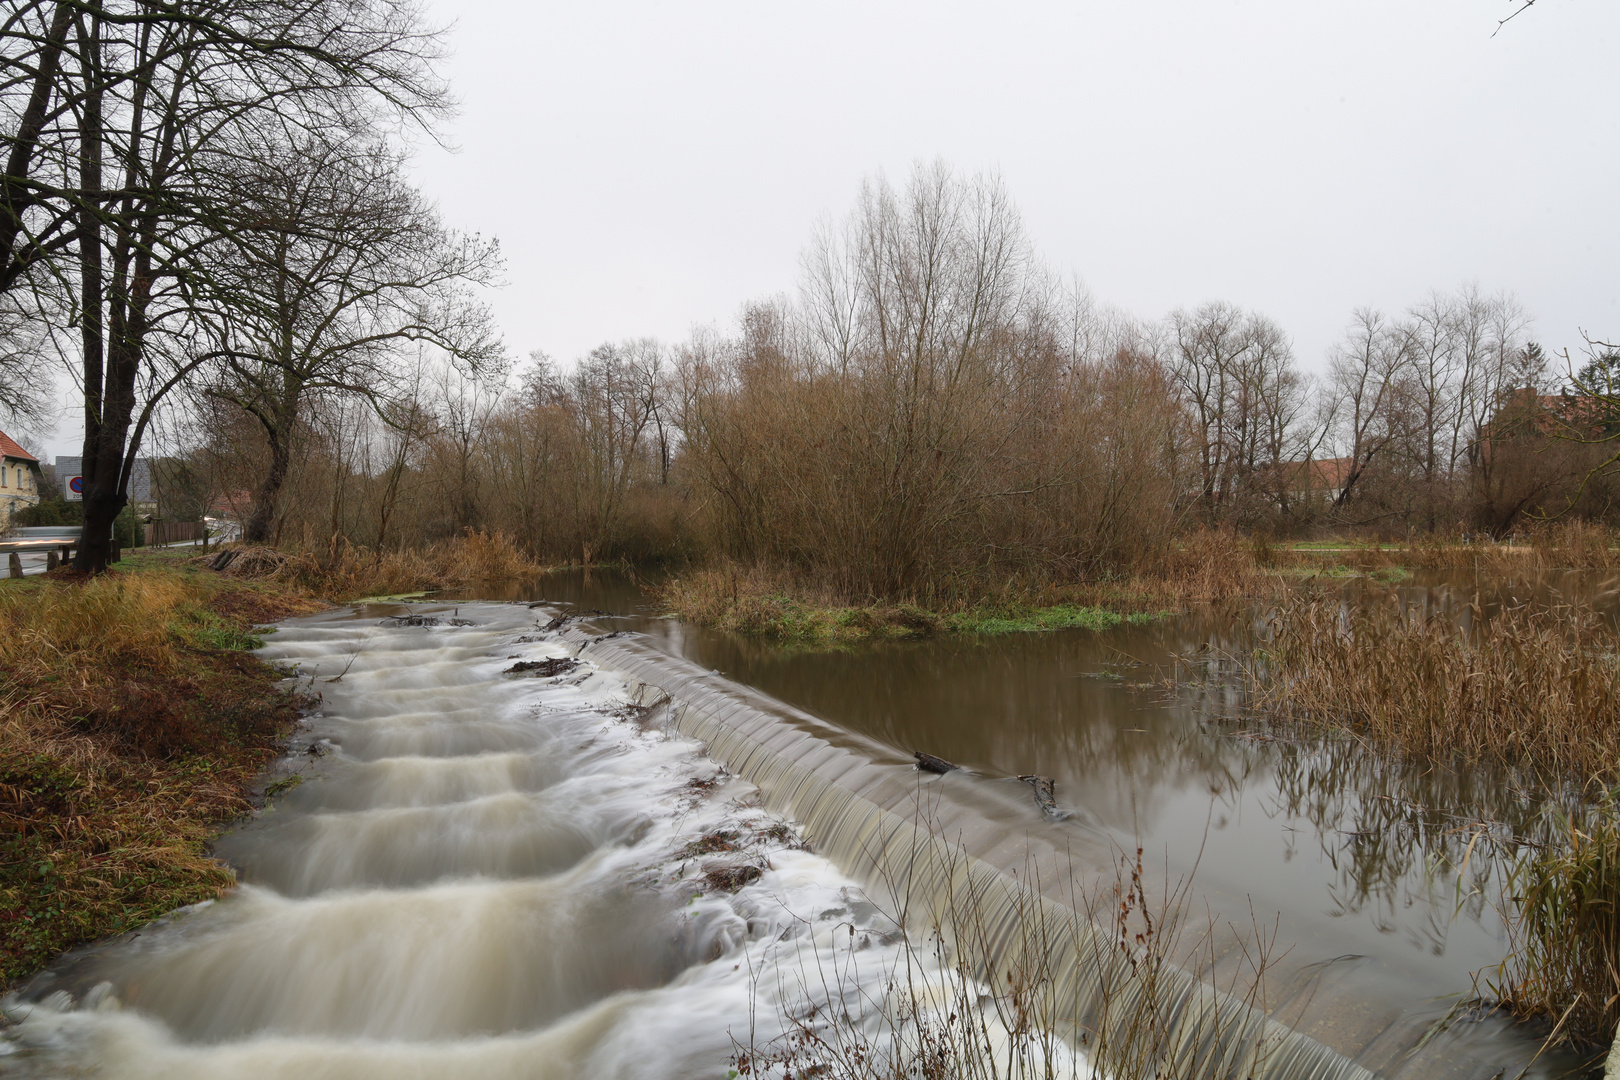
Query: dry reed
1565, 544
1205, 566
345, 571
1532, 686
1534, 689
1564, 927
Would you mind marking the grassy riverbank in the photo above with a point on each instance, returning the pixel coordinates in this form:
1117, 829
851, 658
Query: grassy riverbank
341, 571
132, 718
793, 606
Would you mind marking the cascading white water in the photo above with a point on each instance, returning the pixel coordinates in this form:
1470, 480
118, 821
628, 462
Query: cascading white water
487, 875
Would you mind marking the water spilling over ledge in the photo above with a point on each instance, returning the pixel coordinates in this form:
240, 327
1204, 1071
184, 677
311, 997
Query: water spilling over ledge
487, 873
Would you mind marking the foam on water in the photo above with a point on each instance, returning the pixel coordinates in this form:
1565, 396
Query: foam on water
485, 875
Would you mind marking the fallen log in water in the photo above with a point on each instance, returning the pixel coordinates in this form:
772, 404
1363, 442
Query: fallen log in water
1045, 792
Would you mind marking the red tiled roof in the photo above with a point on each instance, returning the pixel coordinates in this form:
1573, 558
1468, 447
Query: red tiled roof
1325, 474
1331, 473
10, 449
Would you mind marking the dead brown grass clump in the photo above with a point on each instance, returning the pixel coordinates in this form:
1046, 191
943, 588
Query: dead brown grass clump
1213, 565
345, 571
1566, 544
131, 720
1533, 686
756, 600
1574, 544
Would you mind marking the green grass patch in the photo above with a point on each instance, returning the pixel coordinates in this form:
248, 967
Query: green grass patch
1039, 620
1341, 545
282, 786
795, 622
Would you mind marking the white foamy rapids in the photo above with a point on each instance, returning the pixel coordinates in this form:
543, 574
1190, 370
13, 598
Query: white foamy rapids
484, 876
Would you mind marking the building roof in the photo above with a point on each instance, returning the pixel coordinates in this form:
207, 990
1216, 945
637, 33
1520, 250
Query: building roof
1319, 474
10, 449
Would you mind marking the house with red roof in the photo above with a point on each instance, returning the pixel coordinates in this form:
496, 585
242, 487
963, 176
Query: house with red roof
19, 479
1318, 478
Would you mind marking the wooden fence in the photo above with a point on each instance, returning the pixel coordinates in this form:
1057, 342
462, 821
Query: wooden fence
175, 532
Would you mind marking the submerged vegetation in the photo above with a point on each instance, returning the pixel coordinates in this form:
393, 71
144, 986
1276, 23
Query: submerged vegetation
131, 721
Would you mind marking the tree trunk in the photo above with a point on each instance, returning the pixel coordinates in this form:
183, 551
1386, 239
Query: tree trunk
107, 458
268, 497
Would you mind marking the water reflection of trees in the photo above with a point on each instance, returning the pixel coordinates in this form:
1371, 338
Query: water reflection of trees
1401, 833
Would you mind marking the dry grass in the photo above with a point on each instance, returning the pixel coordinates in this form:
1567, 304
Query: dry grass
1526, 686
1534, 689
131, 720
345, 571
756, 600
1567, 544
1205, 566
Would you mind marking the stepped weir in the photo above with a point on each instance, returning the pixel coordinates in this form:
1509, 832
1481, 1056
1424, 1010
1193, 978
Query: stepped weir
903, 835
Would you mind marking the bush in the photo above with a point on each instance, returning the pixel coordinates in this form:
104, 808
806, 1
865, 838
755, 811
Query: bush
54, 510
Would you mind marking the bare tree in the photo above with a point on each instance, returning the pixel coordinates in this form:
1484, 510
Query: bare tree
337, 263
1246, 402
1363, 370
111, 205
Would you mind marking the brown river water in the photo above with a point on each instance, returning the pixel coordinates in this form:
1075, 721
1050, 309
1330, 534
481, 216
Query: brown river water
488, 875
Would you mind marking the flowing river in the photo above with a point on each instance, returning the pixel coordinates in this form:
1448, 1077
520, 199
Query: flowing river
483, 872
481, 876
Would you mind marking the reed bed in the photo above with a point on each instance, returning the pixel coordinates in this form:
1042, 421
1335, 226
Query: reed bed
1524, 686
1534, 689
1206, 566
345, 571
1565, 544
1564, 928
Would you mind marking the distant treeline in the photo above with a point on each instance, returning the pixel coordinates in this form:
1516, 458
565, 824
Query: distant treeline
932, 411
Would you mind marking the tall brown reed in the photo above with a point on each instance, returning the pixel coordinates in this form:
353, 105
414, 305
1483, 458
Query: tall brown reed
1533, 686
345, 571
1564, 928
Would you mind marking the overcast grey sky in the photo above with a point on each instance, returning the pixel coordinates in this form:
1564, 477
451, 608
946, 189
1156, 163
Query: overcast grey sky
649, 167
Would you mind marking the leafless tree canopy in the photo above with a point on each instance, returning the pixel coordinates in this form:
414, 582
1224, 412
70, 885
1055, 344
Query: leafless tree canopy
122, 118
